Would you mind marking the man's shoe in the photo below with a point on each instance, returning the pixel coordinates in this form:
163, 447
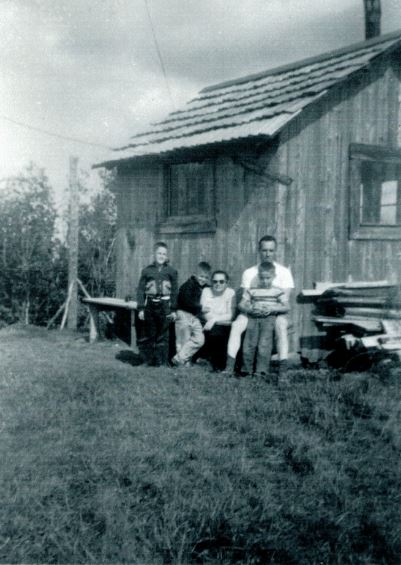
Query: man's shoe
176, 362
230, 366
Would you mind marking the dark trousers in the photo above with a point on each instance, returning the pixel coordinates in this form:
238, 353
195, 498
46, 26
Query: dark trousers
153, 344
258, 342
215, 348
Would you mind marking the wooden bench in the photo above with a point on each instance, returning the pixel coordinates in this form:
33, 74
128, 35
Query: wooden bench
97, 305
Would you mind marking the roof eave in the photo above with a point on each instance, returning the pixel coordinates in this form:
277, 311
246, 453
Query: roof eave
181, 153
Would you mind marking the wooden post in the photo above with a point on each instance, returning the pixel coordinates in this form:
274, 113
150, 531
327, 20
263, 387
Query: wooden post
372, 18
73, 243
93, 323
133, 343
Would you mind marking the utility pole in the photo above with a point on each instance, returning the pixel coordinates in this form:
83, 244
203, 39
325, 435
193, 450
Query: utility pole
73, 224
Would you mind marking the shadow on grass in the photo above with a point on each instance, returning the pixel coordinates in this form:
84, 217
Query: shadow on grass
129, 357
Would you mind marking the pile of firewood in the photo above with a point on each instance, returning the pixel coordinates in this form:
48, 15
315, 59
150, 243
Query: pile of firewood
363, 315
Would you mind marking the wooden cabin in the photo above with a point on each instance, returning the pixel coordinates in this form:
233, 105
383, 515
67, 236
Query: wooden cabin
309, 152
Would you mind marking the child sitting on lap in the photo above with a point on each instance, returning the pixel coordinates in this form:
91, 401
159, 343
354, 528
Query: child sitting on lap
261, 303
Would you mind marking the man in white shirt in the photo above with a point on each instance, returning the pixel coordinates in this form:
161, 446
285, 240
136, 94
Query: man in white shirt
267, 252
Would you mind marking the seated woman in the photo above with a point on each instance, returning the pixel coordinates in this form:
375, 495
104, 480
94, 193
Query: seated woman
218, 308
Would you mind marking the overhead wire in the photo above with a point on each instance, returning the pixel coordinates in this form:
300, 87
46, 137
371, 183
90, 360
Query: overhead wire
53, 134
158, 51
90, 143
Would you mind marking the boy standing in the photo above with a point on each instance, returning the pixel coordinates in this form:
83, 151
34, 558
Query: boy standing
262, 302
157, 302
188, 327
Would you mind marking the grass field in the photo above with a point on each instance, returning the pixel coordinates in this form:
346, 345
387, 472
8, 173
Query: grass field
103, 462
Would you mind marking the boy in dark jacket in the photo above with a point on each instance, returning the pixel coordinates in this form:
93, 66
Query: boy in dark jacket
188, 327
157, 302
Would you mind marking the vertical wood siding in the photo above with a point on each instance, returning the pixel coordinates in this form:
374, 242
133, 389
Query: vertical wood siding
310, 218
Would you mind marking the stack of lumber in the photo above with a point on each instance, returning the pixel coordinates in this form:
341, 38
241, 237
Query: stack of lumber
370, 311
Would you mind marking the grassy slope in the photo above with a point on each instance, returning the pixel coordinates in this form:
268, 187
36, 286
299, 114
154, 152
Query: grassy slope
103, 462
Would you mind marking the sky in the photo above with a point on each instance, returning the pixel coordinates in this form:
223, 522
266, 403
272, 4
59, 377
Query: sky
89, 70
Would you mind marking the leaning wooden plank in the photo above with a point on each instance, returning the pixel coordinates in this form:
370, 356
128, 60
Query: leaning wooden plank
67, 303
56, 315
87, 295
82, 287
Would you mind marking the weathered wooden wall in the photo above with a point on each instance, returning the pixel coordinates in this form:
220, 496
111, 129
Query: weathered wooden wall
310, 218
244, 211
314, 151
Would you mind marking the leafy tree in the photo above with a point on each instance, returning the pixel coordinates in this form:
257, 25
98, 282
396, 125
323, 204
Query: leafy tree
34, 263
31, 262
97, 221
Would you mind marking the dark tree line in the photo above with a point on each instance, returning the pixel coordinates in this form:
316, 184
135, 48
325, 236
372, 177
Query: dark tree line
34, 259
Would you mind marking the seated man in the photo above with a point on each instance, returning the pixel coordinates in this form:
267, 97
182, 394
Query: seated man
283, 280
218, 304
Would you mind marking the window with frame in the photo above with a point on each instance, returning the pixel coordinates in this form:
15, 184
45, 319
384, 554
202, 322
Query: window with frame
189, 198
375, 189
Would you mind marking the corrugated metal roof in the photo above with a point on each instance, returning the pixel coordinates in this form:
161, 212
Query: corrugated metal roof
257, 105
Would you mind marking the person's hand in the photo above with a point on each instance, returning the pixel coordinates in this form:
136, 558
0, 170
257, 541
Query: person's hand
209, 324
172, 316
258, 311
265, 310
141, 315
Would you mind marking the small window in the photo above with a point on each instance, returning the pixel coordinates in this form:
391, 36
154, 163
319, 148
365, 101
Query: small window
189, 198
375, 192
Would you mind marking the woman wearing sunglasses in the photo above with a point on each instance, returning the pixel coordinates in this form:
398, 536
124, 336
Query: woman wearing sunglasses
218, 308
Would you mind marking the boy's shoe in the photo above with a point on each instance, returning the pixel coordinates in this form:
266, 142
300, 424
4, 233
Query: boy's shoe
177, 362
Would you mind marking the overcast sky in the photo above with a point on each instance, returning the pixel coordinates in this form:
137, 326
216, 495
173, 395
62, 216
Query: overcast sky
88, 69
